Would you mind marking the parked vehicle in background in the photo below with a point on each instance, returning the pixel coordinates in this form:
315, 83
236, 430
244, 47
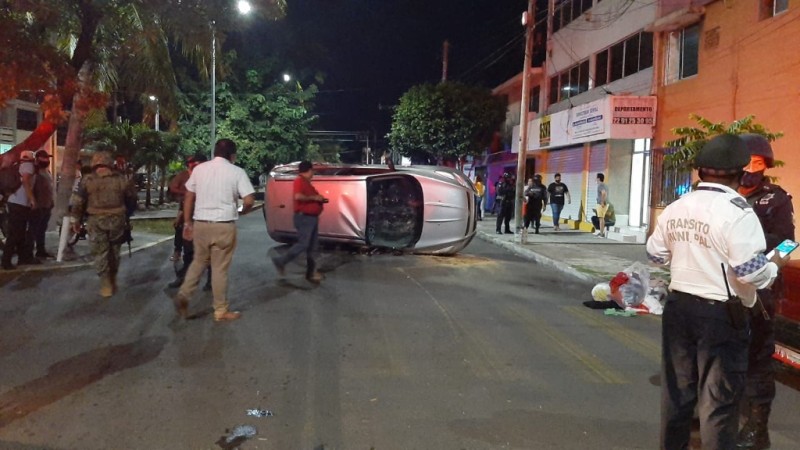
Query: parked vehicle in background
420, 209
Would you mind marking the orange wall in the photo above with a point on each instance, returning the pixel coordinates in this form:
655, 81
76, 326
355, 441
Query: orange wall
754, 70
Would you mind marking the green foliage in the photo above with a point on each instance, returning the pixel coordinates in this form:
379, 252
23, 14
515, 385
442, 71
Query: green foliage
268, 119
691, 139
445, 121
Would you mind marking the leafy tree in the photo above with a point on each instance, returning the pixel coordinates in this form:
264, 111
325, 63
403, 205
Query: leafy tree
445, 121
268, 120
691, 139
75, 51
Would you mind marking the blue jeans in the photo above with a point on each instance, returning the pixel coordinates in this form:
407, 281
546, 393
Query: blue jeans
556, 208
307, 236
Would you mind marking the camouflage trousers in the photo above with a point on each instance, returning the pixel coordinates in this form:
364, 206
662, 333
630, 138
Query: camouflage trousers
105, 239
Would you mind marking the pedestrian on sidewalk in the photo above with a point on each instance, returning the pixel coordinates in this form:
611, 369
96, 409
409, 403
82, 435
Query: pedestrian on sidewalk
108, 199
479, 189
20, 205
308, 205
714, 245
210, 212
558, 191
602, 203
43, 193
506, 194
773, 207
536, 202
609, 219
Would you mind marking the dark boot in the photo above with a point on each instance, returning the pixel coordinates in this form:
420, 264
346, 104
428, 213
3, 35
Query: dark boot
754, 435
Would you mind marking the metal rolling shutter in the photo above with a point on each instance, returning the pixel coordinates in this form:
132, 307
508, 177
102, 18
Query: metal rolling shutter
597, 164
569, 163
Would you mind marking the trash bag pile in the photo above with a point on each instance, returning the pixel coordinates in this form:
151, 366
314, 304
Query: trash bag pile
632, 290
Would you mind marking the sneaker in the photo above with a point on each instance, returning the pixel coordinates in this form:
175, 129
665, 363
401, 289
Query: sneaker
281, 269
499, 232
227, 316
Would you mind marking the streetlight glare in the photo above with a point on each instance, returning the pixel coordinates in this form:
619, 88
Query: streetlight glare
244, 6
287, 77
153, 98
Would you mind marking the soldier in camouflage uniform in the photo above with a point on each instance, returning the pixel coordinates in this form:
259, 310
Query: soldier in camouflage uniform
108, 198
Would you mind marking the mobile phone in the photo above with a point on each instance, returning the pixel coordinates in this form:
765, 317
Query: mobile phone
784, 248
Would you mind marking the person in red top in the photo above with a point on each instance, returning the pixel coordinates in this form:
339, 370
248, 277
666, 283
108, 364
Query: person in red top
307, 208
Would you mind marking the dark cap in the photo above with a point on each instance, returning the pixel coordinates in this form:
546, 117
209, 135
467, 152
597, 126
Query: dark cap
759, 146
537, 177
42, 154
305, 166
725, 154
506, 175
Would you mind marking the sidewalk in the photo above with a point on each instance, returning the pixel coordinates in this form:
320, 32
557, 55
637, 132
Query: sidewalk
79, 255
578, 253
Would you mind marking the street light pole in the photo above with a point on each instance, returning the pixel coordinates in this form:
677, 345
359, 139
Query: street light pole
213, 87
244, 8
158, 110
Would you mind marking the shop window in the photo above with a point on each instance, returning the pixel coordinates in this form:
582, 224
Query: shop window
624, 58
553, 93
771, 8
601, 68
683, 54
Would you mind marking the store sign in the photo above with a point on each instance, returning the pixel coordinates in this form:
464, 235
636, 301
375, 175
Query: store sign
587, 119
544, 132
632, 117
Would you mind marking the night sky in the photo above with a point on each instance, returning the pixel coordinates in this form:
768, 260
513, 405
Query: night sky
372, 51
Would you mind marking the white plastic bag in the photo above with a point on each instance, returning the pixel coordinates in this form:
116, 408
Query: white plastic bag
633, 292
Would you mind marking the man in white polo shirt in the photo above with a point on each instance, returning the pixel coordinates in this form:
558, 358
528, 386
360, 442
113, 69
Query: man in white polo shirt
213, 193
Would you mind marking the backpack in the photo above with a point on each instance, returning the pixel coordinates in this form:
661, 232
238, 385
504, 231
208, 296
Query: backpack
10, 179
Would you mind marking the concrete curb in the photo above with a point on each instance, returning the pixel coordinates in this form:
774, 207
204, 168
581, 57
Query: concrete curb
538, 258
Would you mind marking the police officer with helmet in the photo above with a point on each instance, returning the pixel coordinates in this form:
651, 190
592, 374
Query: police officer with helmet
714, 245
773, 206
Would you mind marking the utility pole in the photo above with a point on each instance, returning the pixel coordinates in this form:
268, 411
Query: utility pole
445, 59
528, 20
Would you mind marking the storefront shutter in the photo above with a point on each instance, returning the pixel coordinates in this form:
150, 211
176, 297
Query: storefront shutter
569, 163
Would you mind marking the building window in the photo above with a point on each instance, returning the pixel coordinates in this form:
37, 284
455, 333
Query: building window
771, 8
624, 58
26, 120
570, 82
535, 94
683, 55
565, 11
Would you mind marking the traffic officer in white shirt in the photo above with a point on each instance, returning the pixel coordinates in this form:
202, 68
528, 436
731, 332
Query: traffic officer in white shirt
209, 217
713, 243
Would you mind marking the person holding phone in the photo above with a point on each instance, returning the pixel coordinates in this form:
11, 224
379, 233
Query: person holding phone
714, 245
773, 206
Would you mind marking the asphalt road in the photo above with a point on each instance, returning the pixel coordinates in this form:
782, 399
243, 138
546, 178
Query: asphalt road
478, 351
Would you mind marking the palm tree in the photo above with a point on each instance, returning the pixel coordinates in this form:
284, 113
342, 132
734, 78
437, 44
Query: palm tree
78, 51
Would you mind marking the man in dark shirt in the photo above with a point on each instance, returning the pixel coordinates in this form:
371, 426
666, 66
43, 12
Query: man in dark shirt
307, 208
536, 201
558, 191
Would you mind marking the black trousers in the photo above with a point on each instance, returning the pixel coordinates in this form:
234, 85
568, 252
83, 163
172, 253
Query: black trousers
506, 211
19, 221
704, 364
760, 389
36, 232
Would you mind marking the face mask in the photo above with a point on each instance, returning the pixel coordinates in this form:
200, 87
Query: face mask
751, 179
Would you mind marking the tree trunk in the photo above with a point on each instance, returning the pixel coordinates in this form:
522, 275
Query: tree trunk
72, 150
162, 181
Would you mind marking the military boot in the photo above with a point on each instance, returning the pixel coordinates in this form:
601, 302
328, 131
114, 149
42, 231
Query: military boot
106, 286
754, 435
113, 277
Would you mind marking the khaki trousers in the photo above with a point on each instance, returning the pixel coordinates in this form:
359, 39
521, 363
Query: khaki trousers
214, 244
